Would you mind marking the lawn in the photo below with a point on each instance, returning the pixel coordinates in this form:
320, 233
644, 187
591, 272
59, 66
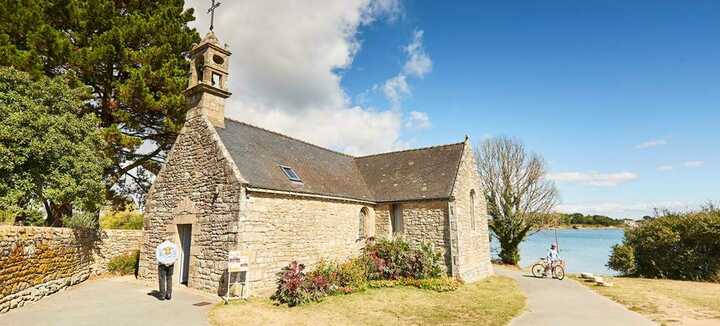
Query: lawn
667, 302
493, 301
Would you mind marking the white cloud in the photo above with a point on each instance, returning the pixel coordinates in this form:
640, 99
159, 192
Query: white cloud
665, 168
286, 64
417, 65
395, 90
625, 210
694, 164
594, 178
652, 143
418, 120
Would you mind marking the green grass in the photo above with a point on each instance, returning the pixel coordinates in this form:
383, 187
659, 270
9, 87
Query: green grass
493, 301
667, 302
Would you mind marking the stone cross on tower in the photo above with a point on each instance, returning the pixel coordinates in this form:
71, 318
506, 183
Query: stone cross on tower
211, 11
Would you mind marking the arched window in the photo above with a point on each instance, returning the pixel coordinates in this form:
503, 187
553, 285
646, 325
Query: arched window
472, 209
363, 217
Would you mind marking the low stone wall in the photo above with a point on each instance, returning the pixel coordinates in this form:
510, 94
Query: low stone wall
36, 262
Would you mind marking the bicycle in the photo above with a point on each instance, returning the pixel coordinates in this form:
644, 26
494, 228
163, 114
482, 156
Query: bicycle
557, 271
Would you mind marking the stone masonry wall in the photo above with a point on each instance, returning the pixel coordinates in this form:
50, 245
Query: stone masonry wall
36, 262
473, 244
199, 187
278, 229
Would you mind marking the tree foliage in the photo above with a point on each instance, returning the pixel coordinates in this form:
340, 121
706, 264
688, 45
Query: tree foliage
684, 246
577, 218
131, 53
519, 198
50, 151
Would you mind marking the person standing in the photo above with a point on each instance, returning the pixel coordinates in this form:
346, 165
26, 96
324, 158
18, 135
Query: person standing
166, 254
552, 258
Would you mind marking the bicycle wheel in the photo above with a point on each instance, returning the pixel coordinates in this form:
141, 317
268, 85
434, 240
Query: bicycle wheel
559, 272
538, 270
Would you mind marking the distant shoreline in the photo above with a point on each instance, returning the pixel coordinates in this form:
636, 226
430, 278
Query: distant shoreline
586, 226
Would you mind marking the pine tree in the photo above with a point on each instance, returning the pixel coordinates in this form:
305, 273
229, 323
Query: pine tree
132, 54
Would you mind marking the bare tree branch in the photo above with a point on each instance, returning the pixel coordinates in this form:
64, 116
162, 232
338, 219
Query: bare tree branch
519, 198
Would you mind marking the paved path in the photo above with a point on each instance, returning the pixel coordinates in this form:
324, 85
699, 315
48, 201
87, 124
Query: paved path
558, 303
113, 302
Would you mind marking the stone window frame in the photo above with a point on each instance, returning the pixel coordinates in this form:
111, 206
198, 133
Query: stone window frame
217, 83
397, 223
363, 217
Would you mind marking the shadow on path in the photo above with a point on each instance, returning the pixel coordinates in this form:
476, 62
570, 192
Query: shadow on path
111, 302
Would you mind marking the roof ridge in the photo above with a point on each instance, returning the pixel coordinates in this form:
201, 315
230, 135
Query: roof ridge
291, 138
411, 150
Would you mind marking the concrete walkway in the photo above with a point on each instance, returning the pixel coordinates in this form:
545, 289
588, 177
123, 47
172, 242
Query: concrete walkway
558, 303
111, 302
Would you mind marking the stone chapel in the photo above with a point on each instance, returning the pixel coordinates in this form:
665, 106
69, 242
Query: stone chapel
230, 186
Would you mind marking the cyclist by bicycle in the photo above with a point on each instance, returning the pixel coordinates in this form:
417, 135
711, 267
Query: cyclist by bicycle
552, 258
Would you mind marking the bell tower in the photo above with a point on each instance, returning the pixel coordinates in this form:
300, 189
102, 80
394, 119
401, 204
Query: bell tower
208, 86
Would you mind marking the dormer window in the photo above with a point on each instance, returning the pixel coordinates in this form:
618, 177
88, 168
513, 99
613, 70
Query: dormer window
290, 173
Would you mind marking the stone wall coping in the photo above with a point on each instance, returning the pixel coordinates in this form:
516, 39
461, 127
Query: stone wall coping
21, 228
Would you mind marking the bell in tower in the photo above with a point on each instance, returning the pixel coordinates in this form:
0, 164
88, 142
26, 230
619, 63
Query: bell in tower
208, 86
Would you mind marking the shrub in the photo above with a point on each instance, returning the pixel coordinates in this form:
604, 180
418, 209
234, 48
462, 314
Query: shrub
128, 219
426, 262
352, 274
622, 259
386, 263
295, 288
394, 258
124, 264
348, 277
7, 217
683, 246
81, 220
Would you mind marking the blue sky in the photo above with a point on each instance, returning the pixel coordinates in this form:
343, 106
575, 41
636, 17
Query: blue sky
622, 98
582, 83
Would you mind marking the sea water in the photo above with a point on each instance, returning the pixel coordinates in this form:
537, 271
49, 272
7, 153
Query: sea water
584, 250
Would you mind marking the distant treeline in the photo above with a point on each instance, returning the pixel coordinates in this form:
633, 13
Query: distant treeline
577, 218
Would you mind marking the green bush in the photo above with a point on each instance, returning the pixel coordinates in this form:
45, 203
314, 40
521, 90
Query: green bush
81, 220
128, 219
124, 264
347, 277
684, 246
394, 258
7, 217
29, 216
622, 259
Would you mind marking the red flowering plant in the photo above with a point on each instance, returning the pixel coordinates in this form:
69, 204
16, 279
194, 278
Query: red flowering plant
292, 289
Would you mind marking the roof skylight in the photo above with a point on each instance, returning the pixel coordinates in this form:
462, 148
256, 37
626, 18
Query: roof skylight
290, 173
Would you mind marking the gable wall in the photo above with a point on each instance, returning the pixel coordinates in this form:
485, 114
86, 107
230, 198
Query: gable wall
276, 229
197, 186
471, 246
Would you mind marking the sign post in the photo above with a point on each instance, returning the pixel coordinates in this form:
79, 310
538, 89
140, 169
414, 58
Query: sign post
236, 275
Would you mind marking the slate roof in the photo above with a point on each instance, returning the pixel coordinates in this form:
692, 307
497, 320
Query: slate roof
427, 173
